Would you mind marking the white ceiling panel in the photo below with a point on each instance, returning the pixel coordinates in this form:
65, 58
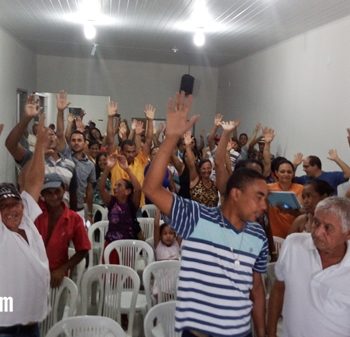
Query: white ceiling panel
148, 30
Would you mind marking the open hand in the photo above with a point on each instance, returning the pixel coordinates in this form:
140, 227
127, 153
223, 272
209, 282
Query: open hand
178, 121
112, 108
62, 100
149, 111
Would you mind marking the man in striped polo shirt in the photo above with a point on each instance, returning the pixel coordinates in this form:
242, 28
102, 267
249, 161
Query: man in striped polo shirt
224, 252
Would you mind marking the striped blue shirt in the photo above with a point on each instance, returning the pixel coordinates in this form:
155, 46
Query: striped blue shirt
217, 264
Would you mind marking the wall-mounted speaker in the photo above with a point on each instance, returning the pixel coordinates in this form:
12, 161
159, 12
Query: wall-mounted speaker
187, 82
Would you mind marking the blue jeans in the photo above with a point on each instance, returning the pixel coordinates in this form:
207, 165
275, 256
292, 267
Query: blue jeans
20, 331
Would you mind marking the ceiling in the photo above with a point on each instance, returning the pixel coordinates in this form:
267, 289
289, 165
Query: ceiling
148, 30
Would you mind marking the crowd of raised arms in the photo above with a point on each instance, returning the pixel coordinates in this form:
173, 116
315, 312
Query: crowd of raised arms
202, 189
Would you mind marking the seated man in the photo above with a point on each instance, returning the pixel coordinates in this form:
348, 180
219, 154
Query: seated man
313, 168
58, 225
313, 276
24, 280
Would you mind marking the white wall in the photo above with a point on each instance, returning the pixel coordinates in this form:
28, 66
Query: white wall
94, 107
132, 84
300, 88
17, 70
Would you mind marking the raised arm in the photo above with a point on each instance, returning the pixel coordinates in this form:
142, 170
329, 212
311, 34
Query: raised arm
177, 124
149, 113
297, 160
139, 130
31, 109
253, 139
123, 163
190, 159
112, 110
35, 170
333, 155
104, 193
212, 134
269, 135
222, 174
61, 104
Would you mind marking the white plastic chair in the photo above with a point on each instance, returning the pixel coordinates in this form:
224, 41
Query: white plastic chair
97, 233
87, 326
278, 244
160, 321
98, 209
63, 301
135, 254
149, 209
105, 289
160, 281
77, 273
147, 226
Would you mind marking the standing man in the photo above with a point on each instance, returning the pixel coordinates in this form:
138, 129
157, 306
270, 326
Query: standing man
25, 276
85, 169
58, 226
224, 251
313, 276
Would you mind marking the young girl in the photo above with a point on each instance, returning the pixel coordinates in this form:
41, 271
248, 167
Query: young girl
122, 205
165, 241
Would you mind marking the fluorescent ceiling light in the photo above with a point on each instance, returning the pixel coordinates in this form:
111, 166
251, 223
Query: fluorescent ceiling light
89, 31
90, 9
199, 39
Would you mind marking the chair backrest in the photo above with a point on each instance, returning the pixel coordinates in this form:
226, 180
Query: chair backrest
103, 212
97, 233
278, 243
135, 254
102, 288
160, 281
149, 210
63, 302
86, 326
147, 226
160, 320
77, 273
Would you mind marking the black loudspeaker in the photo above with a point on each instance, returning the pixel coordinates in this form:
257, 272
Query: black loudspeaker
187, 82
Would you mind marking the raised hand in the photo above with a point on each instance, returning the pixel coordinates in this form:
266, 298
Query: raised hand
43, 133
257, 127
31, 108
123, 163
112, 108
139, 129
79, 124
112, 159
133, 124
218, 119
62, 100
177, 115
123, 131
149, 111
188, 138
268, 134
298, 159
229, 126
333, 155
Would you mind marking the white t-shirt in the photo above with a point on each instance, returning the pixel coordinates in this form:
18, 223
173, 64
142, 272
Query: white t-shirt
24, 269
316, 300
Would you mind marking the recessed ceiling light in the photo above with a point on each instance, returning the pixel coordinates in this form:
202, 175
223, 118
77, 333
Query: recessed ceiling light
89, 31
199, 39
174, 50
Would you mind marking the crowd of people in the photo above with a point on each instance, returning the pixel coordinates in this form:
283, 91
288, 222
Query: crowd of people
213, 211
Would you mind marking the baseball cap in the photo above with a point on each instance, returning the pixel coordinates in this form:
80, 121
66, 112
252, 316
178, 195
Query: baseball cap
8, 190
52, 180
